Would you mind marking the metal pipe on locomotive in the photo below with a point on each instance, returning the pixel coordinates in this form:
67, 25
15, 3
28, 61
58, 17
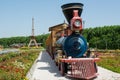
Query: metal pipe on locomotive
70, 48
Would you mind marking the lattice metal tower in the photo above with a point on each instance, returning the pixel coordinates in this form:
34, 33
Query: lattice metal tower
33, 40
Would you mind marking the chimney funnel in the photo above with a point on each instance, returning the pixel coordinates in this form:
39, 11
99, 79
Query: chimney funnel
68, 10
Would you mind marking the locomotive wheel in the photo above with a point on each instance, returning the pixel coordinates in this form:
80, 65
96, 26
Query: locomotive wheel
59, 66
96, 67
56, 63
62, 68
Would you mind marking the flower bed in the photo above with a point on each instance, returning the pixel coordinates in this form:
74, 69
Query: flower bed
14, 66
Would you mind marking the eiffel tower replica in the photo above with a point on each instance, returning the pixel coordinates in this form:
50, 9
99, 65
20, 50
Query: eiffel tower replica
33, 40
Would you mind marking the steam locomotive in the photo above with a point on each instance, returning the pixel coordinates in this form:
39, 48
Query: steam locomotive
67, 46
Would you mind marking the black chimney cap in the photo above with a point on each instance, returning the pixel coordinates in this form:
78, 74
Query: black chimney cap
68, 10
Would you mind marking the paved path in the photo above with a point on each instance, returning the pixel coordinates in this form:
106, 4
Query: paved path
105, 74
45, 69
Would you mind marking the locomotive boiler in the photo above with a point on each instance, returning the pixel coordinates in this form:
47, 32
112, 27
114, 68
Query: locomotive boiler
69, 46
73, 45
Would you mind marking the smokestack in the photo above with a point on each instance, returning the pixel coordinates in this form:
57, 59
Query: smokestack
68, 10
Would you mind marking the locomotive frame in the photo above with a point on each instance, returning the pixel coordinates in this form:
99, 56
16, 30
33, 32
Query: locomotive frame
70, 64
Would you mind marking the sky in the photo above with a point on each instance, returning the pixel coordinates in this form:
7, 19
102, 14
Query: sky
16, 15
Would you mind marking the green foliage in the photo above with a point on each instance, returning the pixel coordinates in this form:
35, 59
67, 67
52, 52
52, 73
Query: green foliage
6, 42
4, 57
42, 38
18, 64
107, 37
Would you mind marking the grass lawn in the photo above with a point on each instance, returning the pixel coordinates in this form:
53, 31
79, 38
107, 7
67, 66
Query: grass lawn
110, 61
14, 66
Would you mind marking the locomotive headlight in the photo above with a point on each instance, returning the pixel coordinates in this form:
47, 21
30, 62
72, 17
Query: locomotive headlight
77, 23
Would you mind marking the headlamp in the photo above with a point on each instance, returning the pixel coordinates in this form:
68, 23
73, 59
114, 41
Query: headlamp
77, 23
